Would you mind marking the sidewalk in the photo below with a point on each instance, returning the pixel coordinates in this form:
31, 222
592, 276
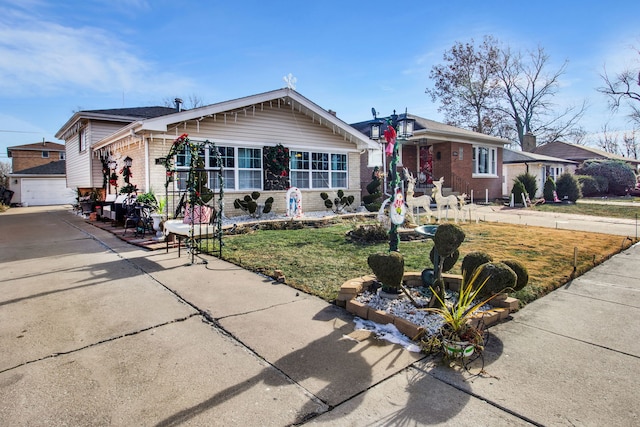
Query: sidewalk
94, 331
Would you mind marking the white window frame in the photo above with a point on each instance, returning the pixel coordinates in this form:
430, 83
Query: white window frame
182, 167
491, 160
312, 172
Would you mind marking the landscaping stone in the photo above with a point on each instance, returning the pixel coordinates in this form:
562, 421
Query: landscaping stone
357, 308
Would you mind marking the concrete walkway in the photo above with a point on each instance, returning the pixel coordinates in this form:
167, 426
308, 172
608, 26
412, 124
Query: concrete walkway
94, 331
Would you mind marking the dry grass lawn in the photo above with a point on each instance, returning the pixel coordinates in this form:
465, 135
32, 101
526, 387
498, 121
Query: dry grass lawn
319, 260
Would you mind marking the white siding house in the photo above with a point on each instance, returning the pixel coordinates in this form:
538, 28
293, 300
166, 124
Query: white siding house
325, 150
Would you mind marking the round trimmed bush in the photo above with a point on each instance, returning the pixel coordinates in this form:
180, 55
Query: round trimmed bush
500, 277
568, 188
521, 272
471, 261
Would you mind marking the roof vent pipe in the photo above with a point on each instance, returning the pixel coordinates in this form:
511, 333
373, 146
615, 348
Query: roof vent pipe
178, 102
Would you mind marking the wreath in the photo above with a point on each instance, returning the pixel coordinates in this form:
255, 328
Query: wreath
277, 160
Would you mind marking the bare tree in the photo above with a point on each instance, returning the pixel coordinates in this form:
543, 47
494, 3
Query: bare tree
467, 86
193, 101
529, 90
493, 90
623, 90
5, 170
608, 140
631, 145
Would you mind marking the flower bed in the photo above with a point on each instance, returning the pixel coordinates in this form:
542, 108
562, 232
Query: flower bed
356, 296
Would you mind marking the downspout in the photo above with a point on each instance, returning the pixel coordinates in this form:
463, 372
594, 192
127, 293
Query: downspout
147, 165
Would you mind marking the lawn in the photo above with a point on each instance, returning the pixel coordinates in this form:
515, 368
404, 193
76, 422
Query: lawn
610, 210
319, 260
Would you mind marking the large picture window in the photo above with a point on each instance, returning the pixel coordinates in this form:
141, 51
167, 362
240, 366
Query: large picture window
242, 167
318, 170
485, 160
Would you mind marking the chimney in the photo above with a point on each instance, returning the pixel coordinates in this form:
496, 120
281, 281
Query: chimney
529, 142
178, 102
333, 113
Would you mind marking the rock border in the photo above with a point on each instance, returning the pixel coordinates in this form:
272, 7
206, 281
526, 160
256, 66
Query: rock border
502, 306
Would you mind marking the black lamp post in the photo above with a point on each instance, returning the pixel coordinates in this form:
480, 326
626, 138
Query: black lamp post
391, 136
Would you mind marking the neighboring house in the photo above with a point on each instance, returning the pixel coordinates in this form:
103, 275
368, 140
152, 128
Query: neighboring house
580, 153
325, 151
515, 163
41, 185
468, 161
32, 155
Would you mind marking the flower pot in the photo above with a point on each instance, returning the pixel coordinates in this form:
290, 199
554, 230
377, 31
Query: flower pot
157, 220
457, 349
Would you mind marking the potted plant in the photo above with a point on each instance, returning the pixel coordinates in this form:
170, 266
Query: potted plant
460, 336
158, 216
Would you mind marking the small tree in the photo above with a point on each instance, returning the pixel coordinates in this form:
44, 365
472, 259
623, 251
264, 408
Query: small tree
568, 187
518, 190
549, 188
372, 201
530, 183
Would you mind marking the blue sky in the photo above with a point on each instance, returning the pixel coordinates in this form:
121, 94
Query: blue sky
57, 57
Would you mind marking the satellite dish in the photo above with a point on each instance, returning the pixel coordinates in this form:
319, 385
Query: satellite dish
373, 111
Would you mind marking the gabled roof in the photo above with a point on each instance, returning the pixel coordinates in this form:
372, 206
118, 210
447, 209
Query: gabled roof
435, 131
578, 153
284, 97
52, 168
38, 146
122, 115
511, 156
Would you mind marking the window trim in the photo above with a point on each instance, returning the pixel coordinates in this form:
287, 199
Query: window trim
311, 173
493, 161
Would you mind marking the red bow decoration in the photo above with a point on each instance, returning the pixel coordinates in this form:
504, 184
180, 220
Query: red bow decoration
390, 136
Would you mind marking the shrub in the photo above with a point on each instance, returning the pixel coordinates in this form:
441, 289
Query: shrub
372, 200
369, 233
530, 183
518, 190
568, 187
449, 261
471, 261
521, 272
501, 277
549, 188
619, 174
589, 185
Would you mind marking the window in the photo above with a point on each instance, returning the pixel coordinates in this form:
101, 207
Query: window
82, 140
242, 167
45, 154
249, 168
485, 160
62, 155
318, 170
554, 172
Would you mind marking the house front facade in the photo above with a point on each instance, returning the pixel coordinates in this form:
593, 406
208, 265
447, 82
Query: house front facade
469, 162
324, 151
540, 166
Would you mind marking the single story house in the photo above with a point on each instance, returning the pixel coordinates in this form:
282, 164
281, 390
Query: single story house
469, 162
580, 153
41, 185
515, 163
324, 150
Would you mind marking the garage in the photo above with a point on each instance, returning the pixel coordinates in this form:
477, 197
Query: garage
41, 186
45, 191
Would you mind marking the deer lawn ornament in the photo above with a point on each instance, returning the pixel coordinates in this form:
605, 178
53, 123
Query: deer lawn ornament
449, 202
423, 202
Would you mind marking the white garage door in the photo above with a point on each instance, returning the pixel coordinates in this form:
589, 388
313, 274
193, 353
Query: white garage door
46, 191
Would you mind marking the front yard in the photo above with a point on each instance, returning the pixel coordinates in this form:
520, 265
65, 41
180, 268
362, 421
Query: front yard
319, 260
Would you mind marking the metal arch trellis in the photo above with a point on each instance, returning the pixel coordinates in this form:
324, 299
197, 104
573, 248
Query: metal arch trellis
194, 190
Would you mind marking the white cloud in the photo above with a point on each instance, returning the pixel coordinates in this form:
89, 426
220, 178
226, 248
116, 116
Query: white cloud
43, 57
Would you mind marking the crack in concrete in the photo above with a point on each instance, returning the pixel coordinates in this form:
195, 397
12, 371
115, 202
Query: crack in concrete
104, 341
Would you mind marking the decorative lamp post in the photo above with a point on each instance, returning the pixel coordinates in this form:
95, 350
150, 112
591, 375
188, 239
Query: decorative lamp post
397, 128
